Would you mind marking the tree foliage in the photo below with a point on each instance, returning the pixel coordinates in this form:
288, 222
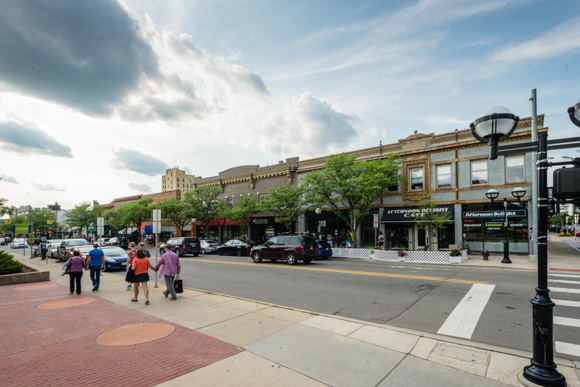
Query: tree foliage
176, 211
83, 215
284, 203
348, 188
244, 209
135, 213
39, 218
4, 208
204, 202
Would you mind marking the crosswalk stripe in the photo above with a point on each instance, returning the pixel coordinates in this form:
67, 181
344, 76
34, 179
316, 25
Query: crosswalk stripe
565, 275
568, 348
462, 321
564, 282
571, 322
567, 303
565, 290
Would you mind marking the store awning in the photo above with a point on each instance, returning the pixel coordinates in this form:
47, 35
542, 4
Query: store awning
407, 214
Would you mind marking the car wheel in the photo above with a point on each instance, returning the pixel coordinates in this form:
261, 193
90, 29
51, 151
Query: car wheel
161, 252
202, 251
195, 254
220, 252
291, 259
239, 253
257, 257
307, 260
178, 252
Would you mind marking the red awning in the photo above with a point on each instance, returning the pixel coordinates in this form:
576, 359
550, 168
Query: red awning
222, 222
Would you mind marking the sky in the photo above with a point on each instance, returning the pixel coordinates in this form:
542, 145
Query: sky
99, 98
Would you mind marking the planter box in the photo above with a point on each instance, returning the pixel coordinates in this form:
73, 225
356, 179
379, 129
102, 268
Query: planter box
27, 275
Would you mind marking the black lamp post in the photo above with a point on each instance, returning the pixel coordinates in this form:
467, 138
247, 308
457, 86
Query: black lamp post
318, 211
493, 194
494, 125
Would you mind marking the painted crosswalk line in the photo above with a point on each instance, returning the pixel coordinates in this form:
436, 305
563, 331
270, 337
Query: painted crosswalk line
462, 321
571, 322
565, 290
558, 281
575, 304
567, 348
565, 275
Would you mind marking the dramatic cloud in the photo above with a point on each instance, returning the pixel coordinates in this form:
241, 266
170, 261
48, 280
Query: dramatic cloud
143, 188
84, 54
138, 162
8, 179
25, 138
308, 126
47, 187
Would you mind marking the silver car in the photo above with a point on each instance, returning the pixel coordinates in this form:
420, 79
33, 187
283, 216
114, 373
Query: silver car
53, 248
18, 243
208, 246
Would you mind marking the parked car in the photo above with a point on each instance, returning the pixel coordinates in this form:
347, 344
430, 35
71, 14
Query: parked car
118, 242
183, 245
3, 241
115, 258
18, 243
103, 241
289, 248
52, 247
84, 250
237, 247
324, 250
66, 244
208, 246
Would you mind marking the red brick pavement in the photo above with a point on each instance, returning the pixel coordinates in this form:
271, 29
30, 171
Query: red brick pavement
57, 347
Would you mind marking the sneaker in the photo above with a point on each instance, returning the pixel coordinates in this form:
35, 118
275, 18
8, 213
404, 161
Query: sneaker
129, 287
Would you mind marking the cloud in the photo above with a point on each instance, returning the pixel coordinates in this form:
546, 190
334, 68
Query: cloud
138, 162
144, 188
26, 138
307, 126
47, 187
84, 54
8, 179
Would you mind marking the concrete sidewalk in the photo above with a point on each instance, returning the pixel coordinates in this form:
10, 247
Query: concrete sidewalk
261, 344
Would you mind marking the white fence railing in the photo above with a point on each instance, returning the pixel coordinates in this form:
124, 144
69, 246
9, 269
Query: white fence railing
393, 256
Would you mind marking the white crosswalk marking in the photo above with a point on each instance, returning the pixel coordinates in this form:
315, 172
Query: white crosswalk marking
565, 282
567, 348
571, 322
462, 321
565, 275
565, 290
567, 303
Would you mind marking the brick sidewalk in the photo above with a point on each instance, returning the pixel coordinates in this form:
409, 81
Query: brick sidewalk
57, 347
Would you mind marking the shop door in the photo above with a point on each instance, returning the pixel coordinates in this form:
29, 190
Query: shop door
396, 236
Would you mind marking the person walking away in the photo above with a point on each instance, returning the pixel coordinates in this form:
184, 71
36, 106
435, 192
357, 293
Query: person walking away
76, 264
43, 249
130, 256
142, 247
381, 241
348, 239
171, 267
96, 262
141, 267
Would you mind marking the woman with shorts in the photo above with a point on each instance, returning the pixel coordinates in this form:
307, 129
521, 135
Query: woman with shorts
141, 267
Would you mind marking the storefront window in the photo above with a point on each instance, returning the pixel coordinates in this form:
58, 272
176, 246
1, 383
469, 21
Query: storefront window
367, 231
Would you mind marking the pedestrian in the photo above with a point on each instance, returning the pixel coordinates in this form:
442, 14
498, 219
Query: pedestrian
76, 264
96, 262
43, 249
171, 267
348, 239
141, 267
130, 256
142, 247
381, 241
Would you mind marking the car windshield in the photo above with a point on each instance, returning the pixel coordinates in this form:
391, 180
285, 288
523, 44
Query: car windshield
114, 251
80, 242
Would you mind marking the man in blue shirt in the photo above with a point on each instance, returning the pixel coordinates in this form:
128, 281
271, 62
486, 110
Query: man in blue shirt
96, 262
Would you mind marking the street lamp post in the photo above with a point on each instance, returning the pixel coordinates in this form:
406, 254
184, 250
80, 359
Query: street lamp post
193, 220
494, 125
318, 211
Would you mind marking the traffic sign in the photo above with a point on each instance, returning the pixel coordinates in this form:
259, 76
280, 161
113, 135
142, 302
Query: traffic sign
376, 220
21, 228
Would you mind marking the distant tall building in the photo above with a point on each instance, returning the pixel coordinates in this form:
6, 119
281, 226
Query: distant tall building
54, 207
176, 179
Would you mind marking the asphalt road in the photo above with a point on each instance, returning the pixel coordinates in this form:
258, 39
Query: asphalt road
419, 297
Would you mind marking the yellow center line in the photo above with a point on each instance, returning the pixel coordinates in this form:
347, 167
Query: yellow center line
439, 279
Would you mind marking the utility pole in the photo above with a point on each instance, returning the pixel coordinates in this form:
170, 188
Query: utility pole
534, 207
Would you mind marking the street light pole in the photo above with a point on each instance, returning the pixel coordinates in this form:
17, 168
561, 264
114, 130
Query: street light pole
506, 243
542, 369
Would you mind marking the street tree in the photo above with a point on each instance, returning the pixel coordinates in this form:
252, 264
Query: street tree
348, 188
429, 218
4, 208
244, 209
136, 213
39, 218
284, 203
176, 211
204, 202
83, 216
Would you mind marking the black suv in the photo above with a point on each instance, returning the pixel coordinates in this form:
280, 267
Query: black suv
289, 248
183, 245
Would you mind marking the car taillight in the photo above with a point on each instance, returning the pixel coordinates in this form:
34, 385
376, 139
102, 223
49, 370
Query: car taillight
319, 246
246, 246
302, 247
184, 245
